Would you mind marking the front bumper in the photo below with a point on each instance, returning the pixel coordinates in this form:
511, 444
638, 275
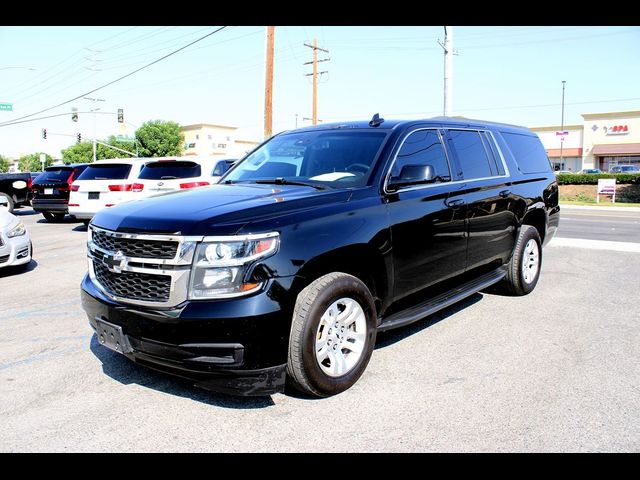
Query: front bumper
237, 346
15, 251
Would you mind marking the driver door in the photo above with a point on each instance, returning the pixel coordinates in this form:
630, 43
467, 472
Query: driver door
427, 220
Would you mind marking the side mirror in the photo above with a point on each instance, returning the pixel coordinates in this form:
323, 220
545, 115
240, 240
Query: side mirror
412, 174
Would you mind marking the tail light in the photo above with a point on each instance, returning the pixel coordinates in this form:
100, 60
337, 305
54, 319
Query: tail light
75, 188
193, 184
127, 187
137, 187
29, 182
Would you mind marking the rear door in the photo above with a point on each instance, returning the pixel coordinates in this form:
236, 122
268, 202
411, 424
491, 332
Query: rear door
491, 208
102, 184
52, 184
168, 175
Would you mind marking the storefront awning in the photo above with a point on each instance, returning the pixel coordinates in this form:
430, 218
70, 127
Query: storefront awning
617, 149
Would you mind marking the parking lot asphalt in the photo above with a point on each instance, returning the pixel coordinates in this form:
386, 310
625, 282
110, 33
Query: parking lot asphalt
556, 370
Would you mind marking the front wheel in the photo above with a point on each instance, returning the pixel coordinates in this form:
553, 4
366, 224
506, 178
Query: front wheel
333, 333
523, 271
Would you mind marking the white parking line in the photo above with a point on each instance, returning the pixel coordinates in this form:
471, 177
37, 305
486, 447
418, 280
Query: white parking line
595, 244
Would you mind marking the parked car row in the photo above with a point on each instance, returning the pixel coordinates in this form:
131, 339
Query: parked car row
81, 190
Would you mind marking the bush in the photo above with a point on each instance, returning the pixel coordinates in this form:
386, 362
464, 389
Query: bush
592, 179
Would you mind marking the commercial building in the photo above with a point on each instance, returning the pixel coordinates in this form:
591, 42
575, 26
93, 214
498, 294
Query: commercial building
602, 141
205, 139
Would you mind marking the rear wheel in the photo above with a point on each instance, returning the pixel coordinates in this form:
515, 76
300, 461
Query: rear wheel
523, 271
332, 335
53, 216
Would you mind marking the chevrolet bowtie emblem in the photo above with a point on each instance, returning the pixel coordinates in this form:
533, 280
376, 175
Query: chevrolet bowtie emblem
115, 263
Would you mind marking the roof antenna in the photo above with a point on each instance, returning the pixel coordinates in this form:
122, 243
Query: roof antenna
376, 121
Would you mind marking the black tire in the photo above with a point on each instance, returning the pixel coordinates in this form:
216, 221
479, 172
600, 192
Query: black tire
515, 283
303, 369
53, 217
10, 202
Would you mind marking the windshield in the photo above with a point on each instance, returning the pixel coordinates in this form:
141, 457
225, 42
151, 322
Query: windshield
334, 158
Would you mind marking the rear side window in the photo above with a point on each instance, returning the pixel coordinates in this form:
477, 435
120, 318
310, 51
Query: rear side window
55, 175
169, 170
528, 152
106, 171
423, 147
471, 153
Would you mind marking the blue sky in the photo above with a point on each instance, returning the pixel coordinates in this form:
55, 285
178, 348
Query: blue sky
505, 74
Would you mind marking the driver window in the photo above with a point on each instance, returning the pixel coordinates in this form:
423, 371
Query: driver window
423, 147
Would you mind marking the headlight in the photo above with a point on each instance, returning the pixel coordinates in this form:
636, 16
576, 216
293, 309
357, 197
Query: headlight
17, 230
220, 266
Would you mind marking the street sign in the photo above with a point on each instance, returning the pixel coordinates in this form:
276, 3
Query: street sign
6, 107
121, 138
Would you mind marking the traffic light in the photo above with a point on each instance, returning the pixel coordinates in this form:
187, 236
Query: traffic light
120, 115
79, 138
44, 133
74, 116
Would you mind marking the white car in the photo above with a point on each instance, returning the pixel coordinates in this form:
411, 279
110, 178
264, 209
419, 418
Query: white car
15, 243
168, 174
104, 183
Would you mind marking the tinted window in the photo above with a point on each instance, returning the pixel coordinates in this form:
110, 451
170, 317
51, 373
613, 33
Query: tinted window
423, 148
168, 170
54, 175
221, 167
528, 152
106, 171
471, 154
493, 153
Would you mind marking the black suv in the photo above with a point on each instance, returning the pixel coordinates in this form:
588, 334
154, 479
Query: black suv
50, 190
314, 242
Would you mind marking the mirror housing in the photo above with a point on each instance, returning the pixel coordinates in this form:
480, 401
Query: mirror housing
410, 175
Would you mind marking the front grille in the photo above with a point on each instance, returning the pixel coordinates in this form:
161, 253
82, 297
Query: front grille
4, 259
133, 285
131, 247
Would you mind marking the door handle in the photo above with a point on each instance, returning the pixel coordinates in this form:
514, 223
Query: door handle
454, 203
505, 193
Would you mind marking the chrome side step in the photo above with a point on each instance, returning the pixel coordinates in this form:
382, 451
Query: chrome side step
431, 306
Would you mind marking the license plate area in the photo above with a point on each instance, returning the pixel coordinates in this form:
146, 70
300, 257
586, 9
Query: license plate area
94, 195
48, 191
112, 337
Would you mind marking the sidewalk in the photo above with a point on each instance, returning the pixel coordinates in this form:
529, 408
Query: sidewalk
596, 208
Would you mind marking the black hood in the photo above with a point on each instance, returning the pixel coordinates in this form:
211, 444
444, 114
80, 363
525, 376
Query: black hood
216, 210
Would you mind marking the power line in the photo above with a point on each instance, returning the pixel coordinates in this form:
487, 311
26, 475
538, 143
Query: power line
120, 78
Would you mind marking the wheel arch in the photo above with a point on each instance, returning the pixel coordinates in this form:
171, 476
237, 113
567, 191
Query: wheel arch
361, 261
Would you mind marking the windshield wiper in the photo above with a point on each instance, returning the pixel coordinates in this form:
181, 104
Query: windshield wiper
284, 181
168, 177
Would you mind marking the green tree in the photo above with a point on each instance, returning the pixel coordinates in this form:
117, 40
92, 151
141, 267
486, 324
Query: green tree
159, 138
78, 153
4, 164
31, 162
83, 152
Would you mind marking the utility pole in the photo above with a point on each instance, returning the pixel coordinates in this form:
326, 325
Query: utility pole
315, 76
94, 110
448, 70
562, 128
268, 84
